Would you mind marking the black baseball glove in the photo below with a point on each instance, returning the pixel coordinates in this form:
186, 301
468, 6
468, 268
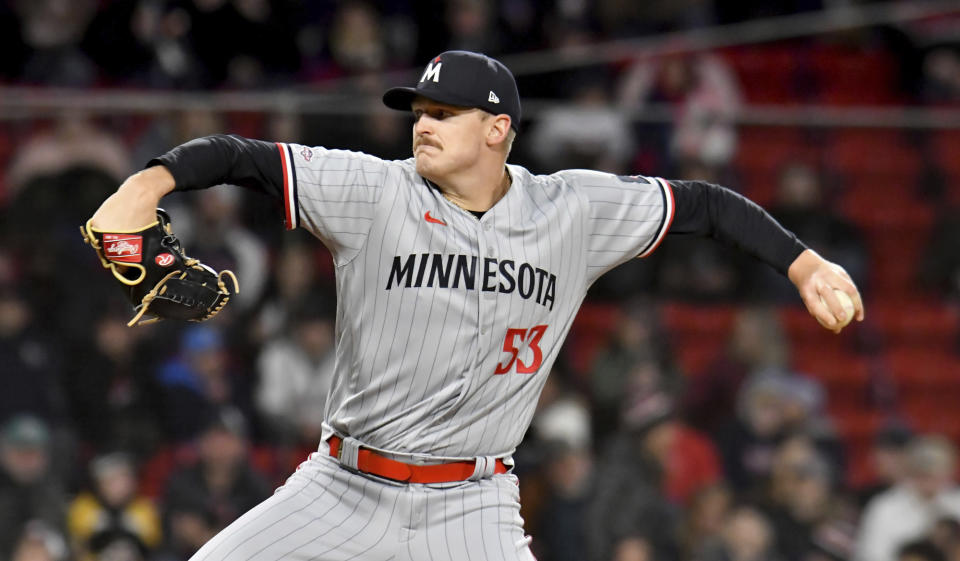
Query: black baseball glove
158, 278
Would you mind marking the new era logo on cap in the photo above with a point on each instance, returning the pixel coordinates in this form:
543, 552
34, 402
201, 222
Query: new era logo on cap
469, 80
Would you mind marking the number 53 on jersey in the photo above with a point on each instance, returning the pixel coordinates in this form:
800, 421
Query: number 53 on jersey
514, 342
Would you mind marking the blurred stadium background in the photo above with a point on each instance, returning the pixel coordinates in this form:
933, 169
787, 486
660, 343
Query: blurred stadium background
697, 411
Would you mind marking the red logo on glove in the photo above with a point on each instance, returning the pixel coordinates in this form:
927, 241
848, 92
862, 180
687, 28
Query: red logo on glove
123, 248
164, 259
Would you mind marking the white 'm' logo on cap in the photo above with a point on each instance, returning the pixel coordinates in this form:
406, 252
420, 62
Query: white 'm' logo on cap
432, 72
492, 98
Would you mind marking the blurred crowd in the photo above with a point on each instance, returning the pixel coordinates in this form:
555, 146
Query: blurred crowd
122, 444
189, 44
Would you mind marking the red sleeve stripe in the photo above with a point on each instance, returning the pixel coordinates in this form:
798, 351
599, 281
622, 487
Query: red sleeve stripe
289, 187
668, 212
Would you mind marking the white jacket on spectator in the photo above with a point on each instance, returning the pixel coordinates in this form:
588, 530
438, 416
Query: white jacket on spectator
898, 516
292, 388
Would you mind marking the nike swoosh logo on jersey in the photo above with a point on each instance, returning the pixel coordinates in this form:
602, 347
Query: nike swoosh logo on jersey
433, 220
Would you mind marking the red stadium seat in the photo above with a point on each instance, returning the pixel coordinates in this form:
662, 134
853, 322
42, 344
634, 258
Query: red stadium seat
804, 331
698, 333
698, 319
925, 368
695, 356
844, 374
875, 151
157, 469
589, 335
946, 147
848, 77
916, 324
770, 148
765, 74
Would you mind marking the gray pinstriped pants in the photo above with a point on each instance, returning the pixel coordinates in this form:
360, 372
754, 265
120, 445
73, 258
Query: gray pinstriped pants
327, 513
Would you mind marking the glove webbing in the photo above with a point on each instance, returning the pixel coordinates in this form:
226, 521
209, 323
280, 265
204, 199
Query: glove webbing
161, 287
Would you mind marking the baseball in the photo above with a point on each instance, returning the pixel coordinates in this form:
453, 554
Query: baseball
847, 304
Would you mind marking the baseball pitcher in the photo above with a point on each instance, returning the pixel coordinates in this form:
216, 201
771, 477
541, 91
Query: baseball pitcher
458, 277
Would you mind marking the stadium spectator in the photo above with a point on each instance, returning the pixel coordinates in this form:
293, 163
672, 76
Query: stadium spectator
696, 269
273, 59
686, 457
118, 546
202, 498
701, 529
52, 30
110, 512
888, 457
562, 430
173, 128
800, 497
198, 381
190, 49
30, 373
803, 407
834, 539
186, 528
385, 134
356, 41
629, 516
911, 509
297, 280
74, 141
634, 359
946, 536
756, 343
707, 97
941, 75
30, 495
747, 536
471, 25
108, 387
748, 443
801, 205
40, 542
294, 371
43, 249
940, 265
217, 237
588, 133
920, 550
632, 18
51, 340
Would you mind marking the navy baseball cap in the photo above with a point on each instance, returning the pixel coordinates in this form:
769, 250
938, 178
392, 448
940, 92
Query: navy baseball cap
466, 79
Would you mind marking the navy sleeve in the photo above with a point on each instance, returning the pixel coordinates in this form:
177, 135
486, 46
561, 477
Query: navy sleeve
212, 160
705, 209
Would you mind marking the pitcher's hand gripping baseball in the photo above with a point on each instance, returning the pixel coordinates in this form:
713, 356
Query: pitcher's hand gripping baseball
157, 276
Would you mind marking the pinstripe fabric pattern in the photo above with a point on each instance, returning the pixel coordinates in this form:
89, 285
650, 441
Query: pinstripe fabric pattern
327, 513
433, 302
447, 326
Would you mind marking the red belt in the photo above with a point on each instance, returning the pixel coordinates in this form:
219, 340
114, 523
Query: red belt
370, 462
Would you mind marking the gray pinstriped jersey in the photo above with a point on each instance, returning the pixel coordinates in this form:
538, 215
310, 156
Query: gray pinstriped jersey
447, 325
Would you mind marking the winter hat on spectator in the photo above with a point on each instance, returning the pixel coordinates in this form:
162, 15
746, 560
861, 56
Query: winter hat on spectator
643, 412
200, 339
895, 435
228, 419
25, 431
566, 421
